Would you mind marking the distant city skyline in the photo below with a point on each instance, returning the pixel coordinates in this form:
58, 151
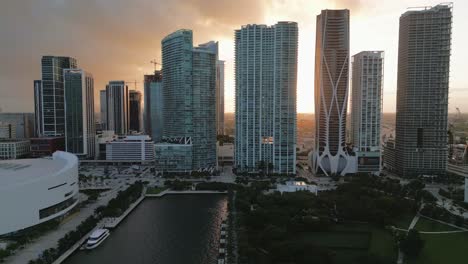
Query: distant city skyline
113, 50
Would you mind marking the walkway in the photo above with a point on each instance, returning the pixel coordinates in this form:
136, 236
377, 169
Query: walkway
32, 250
184, 192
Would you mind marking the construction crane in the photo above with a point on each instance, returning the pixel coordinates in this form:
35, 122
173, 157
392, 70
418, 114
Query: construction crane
155, 63
134, 82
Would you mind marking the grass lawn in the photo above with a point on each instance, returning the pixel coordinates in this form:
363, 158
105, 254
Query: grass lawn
154, 190
443, 248
349, 241
427, 225
335, 239
382, 244
404, 221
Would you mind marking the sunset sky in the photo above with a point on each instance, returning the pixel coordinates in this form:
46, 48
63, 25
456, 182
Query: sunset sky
117, 39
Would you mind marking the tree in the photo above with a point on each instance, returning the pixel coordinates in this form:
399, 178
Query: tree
412, 244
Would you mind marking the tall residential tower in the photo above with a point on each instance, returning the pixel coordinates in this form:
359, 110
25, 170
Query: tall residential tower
117, 107
366, 108
80, 129
331, 155
154, 106
189, 95
213, 46
266, 80
422, 91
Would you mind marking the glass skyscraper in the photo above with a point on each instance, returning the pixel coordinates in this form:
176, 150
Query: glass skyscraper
79, 113
135, 110
154, 106
422, 91
117, 107
189, 89
213, 46
49, 96
265, 91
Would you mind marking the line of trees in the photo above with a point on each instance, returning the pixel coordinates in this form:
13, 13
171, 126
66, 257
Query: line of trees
115, 208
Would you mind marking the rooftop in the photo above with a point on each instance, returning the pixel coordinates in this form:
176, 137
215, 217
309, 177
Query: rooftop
14, 172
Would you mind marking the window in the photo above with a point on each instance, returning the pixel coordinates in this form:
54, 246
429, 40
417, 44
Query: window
54, 209
419, 139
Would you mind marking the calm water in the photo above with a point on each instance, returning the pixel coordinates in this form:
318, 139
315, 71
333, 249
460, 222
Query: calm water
175, 229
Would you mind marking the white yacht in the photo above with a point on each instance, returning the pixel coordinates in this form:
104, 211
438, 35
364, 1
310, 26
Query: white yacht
96, 238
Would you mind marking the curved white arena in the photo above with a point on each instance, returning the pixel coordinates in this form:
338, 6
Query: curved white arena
33, 191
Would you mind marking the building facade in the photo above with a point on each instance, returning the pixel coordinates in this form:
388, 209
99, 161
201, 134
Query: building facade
46, 146
220, 97
7, 130
366, 108
265, 91
422, 91
80, 131
214, 47
14, 148
331, 155
189, 95
130, 148
154, 106
50, 97
34, 191
117, 102
135, 110
174, 155
103, 109
23, 122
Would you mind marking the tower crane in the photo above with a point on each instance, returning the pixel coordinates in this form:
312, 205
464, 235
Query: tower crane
134, 82
155, 63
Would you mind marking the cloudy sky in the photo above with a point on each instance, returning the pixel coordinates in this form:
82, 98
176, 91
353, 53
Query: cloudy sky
117, 39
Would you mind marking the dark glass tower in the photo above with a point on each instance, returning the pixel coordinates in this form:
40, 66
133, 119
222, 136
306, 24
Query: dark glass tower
79, 112
135, 110
153, 106
49, 93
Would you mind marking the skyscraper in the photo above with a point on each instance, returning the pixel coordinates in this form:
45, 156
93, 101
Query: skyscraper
266, 80
154, 106
213, 46
117, 107
189, 89
80, 129
331, 156
135, 110
366, 108
49, 95
422, 91
103, 108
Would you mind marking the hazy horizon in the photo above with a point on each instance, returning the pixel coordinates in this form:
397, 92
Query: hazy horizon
120, 47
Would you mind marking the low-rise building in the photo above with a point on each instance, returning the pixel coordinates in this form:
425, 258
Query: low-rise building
23, 122
14, 148
294, 186
34, 191
130, 148
46, 146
